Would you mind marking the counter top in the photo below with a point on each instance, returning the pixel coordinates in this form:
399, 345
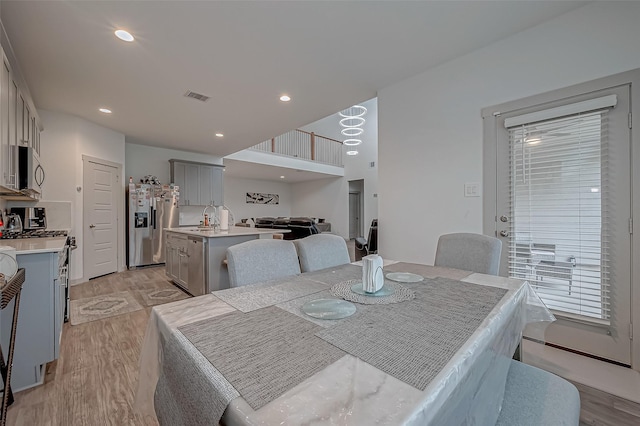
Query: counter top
36, 245
234, 231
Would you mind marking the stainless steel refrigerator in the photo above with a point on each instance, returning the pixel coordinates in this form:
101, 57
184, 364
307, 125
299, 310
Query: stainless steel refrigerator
151, 208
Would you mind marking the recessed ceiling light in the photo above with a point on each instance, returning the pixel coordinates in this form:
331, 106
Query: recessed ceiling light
285, 98
281, 177
352, 152
105, 110
219, 135
124, 35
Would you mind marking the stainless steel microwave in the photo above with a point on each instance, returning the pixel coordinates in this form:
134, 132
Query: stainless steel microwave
30, 174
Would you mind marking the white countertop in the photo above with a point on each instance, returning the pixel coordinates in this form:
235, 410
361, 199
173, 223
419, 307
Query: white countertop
234, 231
36, 245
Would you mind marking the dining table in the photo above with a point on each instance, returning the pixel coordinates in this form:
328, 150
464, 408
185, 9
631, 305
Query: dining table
434, 350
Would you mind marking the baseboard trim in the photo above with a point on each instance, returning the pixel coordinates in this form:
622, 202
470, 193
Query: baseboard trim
613, 379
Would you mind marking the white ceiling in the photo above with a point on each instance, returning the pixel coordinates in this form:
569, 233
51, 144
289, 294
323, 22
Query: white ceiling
325, 55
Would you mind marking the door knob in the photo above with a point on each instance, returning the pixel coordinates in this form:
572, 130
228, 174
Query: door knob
504, 233
504, 218
92, 226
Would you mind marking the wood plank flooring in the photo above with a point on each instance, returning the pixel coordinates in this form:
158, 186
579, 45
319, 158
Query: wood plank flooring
94, 380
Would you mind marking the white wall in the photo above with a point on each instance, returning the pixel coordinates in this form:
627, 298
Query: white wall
331, 196
323, 198
145, 160
235, 190
64, 141
430, 140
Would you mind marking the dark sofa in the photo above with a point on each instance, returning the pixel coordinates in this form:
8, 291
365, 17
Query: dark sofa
300, 227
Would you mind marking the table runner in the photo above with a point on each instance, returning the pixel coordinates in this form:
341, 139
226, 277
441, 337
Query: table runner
263, 353
413, 341
335, 275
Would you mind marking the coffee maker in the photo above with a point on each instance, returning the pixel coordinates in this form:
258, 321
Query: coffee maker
33, 218
13, 224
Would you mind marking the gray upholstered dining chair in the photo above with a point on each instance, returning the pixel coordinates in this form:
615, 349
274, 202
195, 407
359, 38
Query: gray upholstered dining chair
534, 397
470, 252
321, 251
261, 260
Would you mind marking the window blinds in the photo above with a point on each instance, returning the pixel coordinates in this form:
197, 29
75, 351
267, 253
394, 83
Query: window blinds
558, 190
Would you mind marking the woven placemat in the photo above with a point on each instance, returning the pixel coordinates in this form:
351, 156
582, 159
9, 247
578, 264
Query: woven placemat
262, 353
269, 293
413, 341
400, 293
335, 275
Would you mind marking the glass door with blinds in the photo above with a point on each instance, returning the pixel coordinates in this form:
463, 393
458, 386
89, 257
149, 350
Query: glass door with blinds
564, 205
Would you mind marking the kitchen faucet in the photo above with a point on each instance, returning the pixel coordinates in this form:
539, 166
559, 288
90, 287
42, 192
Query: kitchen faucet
212, 219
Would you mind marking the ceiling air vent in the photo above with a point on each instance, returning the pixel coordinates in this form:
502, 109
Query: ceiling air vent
197, 96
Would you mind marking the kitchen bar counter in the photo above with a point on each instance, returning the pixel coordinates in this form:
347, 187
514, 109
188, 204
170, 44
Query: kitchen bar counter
234, 231
195, 258
36, 245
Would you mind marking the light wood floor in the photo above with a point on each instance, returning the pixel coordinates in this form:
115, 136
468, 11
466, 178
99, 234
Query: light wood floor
94, 380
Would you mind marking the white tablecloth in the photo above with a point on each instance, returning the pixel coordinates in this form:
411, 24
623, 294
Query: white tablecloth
469, 389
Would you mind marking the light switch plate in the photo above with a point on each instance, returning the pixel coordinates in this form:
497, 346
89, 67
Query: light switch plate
472, 189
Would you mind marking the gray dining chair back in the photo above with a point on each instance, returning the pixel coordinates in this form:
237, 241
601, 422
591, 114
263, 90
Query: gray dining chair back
321, 251
261, 260
534, 397
470, 252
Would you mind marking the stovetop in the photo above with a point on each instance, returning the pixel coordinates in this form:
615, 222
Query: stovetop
32, 234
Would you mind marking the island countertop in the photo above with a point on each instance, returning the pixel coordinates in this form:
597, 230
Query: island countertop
234, 231
36, 245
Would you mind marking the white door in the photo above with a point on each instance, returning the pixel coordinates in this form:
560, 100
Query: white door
102, 189
562, 211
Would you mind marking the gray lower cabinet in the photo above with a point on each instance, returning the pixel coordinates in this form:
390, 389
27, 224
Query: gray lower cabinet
186, 264
177, 265
196, 263
40, 319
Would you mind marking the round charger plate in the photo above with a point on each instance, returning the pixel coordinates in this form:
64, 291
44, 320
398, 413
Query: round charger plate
384, 291
8, 266
404, 277
329, 309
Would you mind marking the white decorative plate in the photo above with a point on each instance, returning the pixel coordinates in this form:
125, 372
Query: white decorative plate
8, 266
404, 277
329, 309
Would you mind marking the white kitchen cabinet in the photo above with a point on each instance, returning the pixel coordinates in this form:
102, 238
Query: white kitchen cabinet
200, 184
20, 110
19, 124
8, 126
40, 319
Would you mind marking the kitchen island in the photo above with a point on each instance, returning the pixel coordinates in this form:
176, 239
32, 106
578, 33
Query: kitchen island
195, 257
41, 312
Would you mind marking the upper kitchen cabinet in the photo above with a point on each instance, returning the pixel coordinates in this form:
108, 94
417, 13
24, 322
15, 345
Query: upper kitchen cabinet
200, 184
7, 126
19, 127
